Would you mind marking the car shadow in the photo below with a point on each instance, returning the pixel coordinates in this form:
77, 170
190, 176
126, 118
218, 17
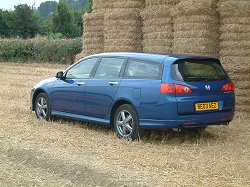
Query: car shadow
151, 136
182, 136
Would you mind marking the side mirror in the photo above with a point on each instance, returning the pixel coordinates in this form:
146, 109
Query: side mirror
60, 75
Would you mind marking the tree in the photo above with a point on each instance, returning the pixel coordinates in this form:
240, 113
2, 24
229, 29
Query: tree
63, 21
4, 29
47, 9
77, 5
79, 23
23, 22
89, 6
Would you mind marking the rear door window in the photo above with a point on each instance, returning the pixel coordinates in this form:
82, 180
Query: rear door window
109, 68
138, 69
198, 70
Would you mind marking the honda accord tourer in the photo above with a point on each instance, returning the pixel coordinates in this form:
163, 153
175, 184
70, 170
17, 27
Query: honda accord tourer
134, 91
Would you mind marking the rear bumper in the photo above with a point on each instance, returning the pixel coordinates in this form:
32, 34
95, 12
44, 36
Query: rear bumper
189, 121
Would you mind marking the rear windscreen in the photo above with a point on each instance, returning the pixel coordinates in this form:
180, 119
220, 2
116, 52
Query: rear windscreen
198, 70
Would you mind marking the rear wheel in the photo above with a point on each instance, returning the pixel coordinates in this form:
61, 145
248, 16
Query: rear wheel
126, 122
42, 107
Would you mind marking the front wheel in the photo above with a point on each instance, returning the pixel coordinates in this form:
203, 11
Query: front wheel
42, 107
126, 122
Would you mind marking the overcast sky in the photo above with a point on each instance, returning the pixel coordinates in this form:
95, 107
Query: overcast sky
9, 4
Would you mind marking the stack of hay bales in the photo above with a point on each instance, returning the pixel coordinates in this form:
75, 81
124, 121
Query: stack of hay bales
122, 27
235, 47
93, 33
93, 38
158, 26
196, 28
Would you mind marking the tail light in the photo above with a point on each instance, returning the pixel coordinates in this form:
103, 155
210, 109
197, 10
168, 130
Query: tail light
228, 87
168, 88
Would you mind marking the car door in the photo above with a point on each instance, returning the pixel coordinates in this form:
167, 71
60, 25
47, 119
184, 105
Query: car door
68, 94
101, 89
141, 82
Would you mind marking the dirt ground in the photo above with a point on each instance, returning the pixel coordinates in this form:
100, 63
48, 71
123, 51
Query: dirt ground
72, 153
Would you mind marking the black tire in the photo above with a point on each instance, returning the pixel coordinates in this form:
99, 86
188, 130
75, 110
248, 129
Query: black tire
42, 107
126, 123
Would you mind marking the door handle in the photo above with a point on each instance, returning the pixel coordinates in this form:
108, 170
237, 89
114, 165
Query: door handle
80, 83
112, 83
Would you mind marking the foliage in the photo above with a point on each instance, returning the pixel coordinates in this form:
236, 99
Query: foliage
22, 22
77, 5
3, 26
47, 9
63, 21
54, 36
40, 50
89, 7
26, 22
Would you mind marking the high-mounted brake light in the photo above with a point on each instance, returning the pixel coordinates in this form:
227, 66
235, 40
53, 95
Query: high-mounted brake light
228, 87
168, 88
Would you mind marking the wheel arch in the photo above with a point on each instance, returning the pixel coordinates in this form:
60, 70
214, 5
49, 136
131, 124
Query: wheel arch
116, 105
36, 93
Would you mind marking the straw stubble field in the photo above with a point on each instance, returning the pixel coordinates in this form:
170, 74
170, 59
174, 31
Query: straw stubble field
71, 153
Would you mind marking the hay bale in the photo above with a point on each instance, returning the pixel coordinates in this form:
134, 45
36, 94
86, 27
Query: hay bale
196, 34
122, 41
236, 64
238, 20
235, 46
157, 11
196, 19
93, 33
161, 2
236, 52
196, 28
136, 4
158, 26
244, 92
130, 35
211, 27
122, 27
121, 22
158, 35
232, 8
196, 7
121, 14
158, 42
154, 21
122, 48
80, 56
234, 28
159, 29
99, 5
157, 49
235, 37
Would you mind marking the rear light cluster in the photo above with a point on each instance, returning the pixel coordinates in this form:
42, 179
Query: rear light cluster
168, 88
228, 87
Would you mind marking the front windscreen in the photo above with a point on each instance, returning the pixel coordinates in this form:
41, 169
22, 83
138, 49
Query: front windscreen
198, 70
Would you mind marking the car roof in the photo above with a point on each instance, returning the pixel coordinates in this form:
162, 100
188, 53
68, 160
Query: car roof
170, 58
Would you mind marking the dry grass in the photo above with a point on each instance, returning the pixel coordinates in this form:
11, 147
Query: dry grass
71, 153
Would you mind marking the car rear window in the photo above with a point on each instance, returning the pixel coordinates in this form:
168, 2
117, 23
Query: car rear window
198, 70
143, 70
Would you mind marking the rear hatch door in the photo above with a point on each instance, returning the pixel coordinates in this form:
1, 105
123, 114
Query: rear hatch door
206, 78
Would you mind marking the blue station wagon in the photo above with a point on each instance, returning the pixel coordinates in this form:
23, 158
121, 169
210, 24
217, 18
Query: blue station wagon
135, 91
